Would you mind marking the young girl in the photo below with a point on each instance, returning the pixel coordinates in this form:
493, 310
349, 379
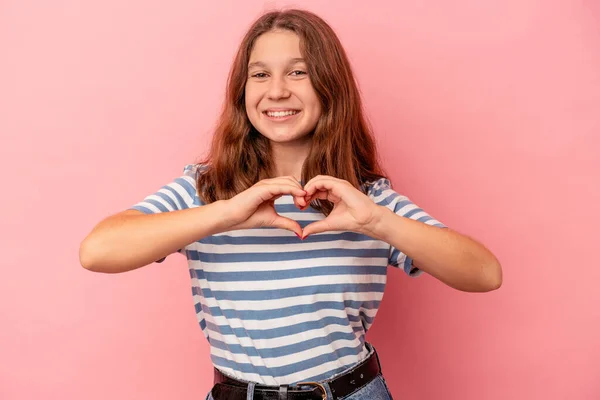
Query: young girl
289, 225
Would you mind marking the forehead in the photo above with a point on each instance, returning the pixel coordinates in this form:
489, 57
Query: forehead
276, 46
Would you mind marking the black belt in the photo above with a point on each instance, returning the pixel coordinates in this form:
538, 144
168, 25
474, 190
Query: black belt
227, 388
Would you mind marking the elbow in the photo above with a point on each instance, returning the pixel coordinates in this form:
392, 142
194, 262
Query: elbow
86, 256
492, 276
91, 257
486, 276
96, 256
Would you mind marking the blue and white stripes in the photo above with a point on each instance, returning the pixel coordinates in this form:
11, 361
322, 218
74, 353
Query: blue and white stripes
277, 310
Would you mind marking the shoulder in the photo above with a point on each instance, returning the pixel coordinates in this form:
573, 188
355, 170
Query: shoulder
378, 187
382, 192
186, 182
190, 179
191, 173
192, 170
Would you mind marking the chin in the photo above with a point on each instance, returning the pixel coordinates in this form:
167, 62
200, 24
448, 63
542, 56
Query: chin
284, 137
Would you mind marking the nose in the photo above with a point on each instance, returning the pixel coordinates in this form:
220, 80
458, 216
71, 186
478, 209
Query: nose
278, 89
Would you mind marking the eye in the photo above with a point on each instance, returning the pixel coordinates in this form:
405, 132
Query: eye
259, 75
297, 72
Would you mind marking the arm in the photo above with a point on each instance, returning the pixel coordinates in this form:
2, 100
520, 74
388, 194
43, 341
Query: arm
454, 259
131, 239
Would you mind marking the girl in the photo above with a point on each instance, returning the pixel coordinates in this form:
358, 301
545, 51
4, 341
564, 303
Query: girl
289, 225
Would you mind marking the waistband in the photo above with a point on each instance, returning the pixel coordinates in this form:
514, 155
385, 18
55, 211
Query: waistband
340, 385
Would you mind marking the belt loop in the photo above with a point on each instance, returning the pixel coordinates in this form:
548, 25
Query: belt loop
283, 392
250, 391
328, 393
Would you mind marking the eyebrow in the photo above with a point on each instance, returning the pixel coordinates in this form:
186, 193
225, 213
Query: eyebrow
261, 64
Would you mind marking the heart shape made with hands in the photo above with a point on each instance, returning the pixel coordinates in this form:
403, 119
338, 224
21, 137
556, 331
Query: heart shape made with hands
352, 209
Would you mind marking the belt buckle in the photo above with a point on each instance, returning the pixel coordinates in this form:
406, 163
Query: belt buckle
317, 384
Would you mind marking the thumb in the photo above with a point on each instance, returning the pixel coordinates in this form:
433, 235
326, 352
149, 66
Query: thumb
286, 223
315, 227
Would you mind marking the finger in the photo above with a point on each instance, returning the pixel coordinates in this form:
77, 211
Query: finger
279, 180
280, 186
324, 183
286, 182
300, 202
294, 180
269, 191
322, 177
321, 195
289, 224
315, 227
325, 195
286, 179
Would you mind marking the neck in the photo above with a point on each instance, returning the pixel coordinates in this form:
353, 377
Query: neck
288, 158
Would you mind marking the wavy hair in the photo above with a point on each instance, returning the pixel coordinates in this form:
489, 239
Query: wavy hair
342, 142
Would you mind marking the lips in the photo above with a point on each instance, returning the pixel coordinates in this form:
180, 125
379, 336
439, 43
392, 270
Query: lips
280, 113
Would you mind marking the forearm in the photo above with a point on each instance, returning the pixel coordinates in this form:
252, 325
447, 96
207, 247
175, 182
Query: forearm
131, 240
454, 259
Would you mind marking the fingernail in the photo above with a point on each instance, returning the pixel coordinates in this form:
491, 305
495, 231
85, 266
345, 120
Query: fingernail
299, 237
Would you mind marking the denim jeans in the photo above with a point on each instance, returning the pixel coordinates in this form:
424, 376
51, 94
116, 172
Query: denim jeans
375, 390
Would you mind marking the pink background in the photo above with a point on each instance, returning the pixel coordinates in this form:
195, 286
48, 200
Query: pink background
487, 114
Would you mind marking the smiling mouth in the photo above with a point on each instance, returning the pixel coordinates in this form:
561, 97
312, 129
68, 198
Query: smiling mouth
281, 114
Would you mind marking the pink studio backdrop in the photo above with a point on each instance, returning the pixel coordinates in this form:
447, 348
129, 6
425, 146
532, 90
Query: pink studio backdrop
487, 114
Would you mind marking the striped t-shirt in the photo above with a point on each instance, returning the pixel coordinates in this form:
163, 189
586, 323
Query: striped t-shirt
277, 310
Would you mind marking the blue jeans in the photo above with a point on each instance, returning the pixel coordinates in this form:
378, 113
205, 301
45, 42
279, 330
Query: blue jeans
375, 390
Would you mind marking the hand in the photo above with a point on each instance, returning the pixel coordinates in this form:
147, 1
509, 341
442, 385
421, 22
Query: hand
352, 209
255, 206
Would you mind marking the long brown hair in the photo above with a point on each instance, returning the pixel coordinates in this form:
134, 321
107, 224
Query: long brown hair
342, 141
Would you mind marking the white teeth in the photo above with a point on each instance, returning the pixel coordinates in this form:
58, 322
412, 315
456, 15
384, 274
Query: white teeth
276, 114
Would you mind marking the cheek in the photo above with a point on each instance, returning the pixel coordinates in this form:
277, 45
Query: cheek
250, 110
313, 101
316, 107
250, 98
